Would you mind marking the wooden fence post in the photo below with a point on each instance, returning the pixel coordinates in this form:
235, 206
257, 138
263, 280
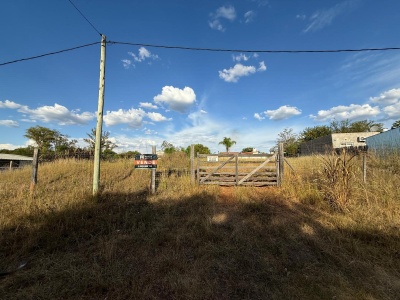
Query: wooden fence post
365, 167
237, 168
192, 174
281, 163
35, 164
153, 173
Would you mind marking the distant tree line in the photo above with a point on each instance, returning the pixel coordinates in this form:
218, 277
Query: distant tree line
53, 143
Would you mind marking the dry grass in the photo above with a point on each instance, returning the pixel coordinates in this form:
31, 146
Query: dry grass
196, 242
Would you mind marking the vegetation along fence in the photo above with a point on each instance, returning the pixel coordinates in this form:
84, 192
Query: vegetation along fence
238, 169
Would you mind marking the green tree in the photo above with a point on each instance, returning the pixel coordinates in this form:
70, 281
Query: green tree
43, 137
198, 148
129, 154
248, 149
227, 142
105, 143
26, 151
342, 126
49, 139
311, 133
396, 124
345, 126
366, 126
290, 141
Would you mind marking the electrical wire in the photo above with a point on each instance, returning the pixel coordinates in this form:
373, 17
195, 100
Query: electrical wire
47, 54
252, 51
85, 17
204, 49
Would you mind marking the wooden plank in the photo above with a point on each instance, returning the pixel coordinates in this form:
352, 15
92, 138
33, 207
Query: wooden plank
216, 169
254, 171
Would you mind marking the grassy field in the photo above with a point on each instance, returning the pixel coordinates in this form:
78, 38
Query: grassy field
313, 238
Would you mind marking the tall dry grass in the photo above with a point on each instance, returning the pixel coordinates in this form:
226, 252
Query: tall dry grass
197, 242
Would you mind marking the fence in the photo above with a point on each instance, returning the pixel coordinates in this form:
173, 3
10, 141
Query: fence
238, 169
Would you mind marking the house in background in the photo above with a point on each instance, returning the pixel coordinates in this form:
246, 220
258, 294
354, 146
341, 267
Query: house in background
13, 161
385, 141
334, 141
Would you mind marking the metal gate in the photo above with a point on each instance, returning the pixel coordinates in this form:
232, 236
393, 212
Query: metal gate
238, 169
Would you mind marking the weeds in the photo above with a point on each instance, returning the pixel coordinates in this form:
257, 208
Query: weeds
337, 178
199, 242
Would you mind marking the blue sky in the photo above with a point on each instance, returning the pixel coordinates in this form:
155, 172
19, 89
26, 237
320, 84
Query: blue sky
184, 97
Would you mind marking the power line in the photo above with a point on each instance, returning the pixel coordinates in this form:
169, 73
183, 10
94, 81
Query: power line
47, 54
253, 51
84, 17
204, 49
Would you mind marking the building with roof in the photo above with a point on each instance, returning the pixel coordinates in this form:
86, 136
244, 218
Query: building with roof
335, 141
13, 161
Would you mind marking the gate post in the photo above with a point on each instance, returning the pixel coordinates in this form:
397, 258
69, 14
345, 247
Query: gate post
192, 174
281, 161
153, 173
237, 168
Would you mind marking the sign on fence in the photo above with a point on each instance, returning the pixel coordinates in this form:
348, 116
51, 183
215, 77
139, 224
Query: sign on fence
146, 161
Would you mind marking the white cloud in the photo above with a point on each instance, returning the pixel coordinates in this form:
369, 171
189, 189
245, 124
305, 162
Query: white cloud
301, 17
233, 74
57, 113
392, 111
148, 105
9, 123
323, 18
143, 54
227, 12
176, 99
203, 111
126, 63
224, 12
239, 70
388, 97
240, 57
262, 67
351, 112
9, 104
132, 117
283, 112
249, 16
157, 117
258, 117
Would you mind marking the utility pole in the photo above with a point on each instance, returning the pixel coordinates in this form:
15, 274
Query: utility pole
99, 127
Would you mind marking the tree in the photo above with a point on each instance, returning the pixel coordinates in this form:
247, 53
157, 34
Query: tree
290, 141
248, 149
50, 139
105, 142
366, 126
43, 137
396, 124
342, 126
227, 142
311, 133
169, 148
198, 148
345, 126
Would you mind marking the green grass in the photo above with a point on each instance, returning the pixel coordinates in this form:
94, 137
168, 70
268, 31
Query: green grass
195, 242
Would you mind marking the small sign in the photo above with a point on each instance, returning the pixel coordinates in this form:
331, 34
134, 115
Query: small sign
146, 161
212, 158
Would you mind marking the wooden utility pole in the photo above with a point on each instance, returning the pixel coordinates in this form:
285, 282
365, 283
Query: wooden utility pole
99, 127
